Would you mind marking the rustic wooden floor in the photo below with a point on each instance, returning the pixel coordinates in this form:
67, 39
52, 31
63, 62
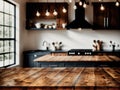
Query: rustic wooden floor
98, 78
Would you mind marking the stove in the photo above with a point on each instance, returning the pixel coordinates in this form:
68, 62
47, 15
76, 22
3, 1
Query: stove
80, 52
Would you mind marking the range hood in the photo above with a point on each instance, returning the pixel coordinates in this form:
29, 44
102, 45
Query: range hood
79, 21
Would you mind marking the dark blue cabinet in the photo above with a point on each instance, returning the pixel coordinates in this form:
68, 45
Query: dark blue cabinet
29, 57
51, 64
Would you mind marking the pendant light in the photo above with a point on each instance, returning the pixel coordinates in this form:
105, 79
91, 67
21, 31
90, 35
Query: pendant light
47, 11
84, 5
80, 3
102, 8
55, 13
64, 9
75, 7
117, 3
37, 14
70, 1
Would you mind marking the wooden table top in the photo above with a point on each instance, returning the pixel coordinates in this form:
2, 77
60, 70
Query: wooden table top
61, 77
52, 58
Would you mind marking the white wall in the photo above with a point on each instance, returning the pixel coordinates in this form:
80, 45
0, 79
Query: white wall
72, 38
21, 33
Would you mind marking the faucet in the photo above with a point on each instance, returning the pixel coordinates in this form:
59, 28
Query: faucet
46, 44
113, 45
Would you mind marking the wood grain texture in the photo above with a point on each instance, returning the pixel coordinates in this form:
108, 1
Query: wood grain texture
51, 58
73, 78
104, 79
87, 78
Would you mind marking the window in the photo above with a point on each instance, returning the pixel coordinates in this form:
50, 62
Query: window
7, 33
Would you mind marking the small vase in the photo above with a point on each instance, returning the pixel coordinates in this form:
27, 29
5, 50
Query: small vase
113, 47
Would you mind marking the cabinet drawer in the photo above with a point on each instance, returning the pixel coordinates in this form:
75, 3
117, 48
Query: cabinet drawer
51, 64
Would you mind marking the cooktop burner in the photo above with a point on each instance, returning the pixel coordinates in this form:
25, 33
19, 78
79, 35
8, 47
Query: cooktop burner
80, 52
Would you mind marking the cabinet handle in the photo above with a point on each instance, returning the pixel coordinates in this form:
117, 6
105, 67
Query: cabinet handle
52, 65
35, 55
104, 22
107, 21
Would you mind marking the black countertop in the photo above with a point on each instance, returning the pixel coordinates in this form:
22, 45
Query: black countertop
108, 51
76, 51
57, 51
91, 52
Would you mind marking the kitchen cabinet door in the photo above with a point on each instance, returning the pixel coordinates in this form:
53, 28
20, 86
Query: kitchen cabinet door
114, 17
108, 18
28, 60
99, 17
30, 56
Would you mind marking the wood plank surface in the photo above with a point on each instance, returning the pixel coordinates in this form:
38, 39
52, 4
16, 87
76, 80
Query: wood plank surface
115, 74
104, 79
114, 58
51, 58
60, 76
87, 78
47, 78
73, 78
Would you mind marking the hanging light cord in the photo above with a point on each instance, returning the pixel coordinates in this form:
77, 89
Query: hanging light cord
55, 4
47, 5
64, 3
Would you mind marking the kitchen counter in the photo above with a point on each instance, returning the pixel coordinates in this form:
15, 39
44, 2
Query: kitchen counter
91, 52
108, 52
78, 61
59, 51
52, 58
60, 58
101, 78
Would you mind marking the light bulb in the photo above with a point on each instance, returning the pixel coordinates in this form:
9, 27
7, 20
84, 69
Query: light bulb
55, 12
84, 5
47, 13
102, 7
37, 14
63, 25
70, 1
80, 3
117, 3
75, 7
64, 10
